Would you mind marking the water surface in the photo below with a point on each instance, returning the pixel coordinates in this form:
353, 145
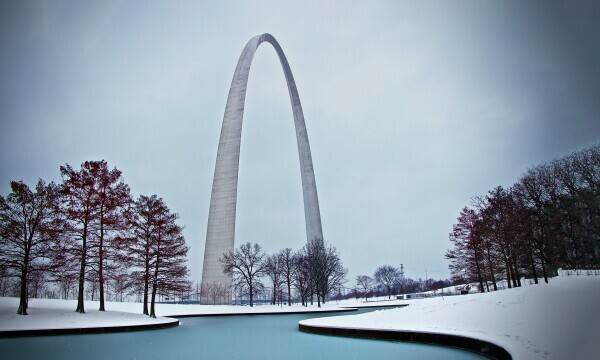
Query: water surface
227, 337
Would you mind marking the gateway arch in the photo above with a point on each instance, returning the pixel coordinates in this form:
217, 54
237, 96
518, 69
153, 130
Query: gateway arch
220, 233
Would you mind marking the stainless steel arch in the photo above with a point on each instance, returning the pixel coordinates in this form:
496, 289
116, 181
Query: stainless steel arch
220, 233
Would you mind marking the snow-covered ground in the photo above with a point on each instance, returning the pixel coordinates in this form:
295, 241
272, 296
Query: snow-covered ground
560, 320
60, 314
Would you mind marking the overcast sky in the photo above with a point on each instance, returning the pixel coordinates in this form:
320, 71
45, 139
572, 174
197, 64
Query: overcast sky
412, 108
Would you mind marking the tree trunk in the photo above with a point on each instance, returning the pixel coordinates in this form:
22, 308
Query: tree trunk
152, 312
145, 306
542, 257
533, 270
100, 266
541, 249
516, 271
507, 269
481, 289
23, 296
489, 260
155, 279
513, 276
80, 308
274, 298
24, 272
251, 294
146, 282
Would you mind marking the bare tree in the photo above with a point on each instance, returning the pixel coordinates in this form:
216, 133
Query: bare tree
364, 283
273, 270
466, 258
225, 294
248, 264
286, 258
239, 290
26, 226
155, 250
301, 275
137, 243
326, 270
387, 276
215, 292
113, 197
206, 290
168, 255
80, 200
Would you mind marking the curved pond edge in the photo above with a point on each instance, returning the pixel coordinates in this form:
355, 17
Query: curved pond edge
375, 306
142, 327
480, 347
268, 313
88, 330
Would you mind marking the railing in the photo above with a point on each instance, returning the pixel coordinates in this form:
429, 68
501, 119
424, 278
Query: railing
579, 272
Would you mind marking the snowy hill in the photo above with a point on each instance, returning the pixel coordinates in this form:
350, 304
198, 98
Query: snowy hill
559, 320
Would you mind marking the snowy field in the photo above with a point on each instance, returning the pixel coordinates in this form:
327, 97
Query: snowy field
560, 320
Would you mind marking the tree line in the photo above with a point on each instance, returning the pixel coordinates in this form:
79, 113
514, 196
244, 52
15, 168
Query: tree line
389, 280
549, 219
314, 272
88, 230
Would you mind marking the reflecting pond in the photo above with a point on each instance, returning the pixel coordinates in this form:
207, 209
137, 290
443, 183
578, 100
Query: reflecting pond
223, 337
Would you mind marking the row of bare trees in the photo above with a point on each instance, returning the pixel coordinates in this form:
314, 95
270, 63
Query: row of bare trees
549, 219
89, 230
313, 272
389, 280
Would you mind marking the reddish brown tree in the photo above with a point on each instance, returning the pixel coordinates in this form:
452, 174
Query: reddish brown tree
499, 216
92, 201
546, 220
155, 249
137, 245
26, 229
466, 257
80, 207
113, 198
168, 255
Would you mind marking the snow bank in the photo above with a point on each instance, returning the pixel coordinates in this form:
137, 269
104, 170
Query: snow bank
60, 314
559, 320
